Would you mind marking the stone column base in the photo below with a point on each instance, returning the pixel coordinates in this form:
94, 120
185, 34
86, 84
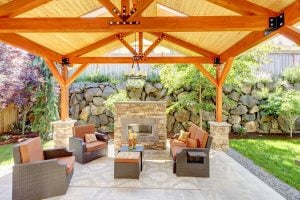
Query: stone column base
62, 130
220, 134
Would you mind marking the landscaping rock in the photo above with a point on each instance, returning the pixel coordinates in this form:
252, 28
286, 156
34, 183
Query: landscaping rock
75, 111
234, 96
208, 116
103, 119
249, 101
249, 117
178, 127
266, 118
159, 86
77, 87
234, 119
92, 92
236, 128
121, 86
82, 104
150, 88
227, 89
135, 93
98, 101
265, 126
143, 96
182, 115
240, 110
97, 110
283, 124
160, 93
251, 126
275, 131
168, 99
170, 122
255, 109
85, 113
195, 118
297, 124
275, 124
81, 122
150, 98
246, 88
108, 91
297, 86
91, 85
260, 85
94, 120
73, 100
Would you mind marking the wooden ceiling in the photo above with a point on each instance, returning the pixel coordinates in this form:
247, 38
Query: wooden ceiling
203, 29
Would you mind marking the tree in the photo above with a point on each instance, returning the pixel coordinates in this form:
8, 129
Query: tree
45, 109
18, 79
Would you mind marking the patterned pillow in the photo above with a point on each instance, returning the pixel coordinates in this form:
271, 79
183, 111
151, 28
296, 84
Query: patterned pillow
191, 143
89, 138
183, 136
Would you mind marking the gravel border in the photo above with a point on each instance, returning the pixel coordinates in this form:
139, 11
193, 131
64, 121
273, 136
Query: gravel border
288, 192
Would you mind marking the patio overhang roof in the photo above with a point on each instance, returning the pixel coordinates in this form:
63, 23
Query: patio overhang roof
211, 30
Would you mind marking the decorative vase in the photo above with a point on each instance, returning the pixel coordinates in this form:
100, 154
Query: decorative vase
130, 144
134, 143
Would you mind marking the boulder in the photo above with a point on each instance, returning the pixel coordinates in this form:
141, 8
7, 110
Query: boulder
82, 104
234, 119
91, 85
227, 89
160, 93
283, 124
249, 117
246, 88
170, 123
208, 116
85, 113
240, 110
234, 96
249, 101
195, 118
260, 85
236, 128
191, 107
101, 86
73, 100
135, 93
98, 101
92, 92
103, 119
109, 113
182, 115
77, 87
271, 86
297, 86
97, 110
224, 118
80, 122
266, 118
181, 95
176, 92
158, 86
74, 110
255, 109
297, 124
265, 127
150, 98
109, 128
251, 126
108, 91
256, 95
177, 127
230, 105
94, 120
169, 99
272, 130
275, 124
143, 96
149, 88
121, 86
79, 97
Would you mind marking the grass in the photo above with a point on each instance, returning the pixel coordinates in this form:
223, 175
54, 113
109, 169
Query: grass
276, 156
6, 156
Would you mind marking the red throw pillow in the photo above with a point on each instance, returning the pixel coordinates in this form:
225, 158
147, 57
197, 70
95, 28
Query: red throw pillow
191, 143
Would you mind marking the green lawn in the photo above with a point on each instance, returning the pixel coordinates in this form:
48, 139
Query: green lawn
6, 158
276, 156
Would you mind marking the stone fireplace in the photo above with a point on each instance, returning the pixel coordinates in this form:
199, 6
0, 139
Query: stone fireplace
147, 118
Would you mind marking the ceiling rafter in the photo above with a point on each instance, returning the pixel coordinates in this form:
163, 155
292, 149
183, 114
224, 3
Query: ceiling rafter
78, 71
54, 71
30, 46
187, 45
126, 44
225, 71
147, 24
112, 60
153, 45
96, 45
243, 7
291, 33
292, 16
210, 77
142, 5
17, 7
110, 8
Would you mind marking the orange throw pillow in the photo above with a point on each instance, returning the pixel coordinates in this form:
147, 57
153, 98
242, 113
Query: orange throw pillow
204, 140
89, 138
191, 143
183, 136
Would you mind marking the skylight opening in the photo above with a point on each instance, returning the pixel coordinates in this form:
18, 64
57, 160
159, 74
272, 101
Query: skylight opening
174, 12
95, 13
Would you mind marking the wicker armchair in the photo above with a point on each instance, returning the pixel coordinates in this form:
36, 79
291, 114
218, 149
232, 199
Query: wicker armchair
85, 152
38, 173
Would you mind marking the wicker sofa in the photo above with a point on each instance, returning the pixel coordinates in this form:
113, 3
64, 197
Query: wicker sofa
38, 173
85, 152
191, 161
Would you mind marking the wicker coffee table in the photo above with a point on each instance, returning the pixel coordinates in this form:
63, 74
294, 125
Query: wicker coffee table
139, 148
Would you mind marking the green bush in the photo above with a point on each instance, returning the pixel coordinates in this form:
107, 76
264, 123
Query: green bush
120, 96
153, 78
96, 78
292, 74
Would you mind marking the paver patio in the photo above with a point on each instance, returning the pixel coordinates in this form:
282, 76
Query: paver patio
94, 180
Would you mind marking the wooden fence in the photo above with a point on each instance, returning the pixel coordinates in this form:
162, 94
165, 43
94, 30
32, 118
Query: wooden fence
8, 116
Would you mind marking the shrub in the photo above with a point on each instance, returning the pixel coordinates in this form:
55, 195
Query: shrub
292, 74
120, 96
96, 78
153, 78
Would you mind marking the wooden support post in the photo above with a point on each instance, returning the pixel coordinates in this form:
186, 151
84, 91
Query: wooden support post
219, 94
64, 95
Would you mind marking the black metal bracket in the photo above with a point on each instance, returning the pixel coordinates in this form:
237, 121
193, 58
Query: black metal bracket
65, 61
275, 23
217, 60
124, 17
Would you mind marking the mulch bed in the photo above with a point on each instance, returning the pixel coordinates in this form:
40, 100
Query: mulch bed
17, 137
257, 135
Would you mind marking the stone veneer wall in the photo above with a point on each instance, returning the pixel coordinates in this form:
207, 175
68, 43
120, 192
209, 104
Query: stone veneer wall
146, 109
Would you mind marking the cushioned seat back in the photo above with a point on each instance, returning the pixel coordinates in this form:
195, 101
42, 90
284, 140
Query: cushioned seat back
193, 130
31, 150
198, 134
80, 131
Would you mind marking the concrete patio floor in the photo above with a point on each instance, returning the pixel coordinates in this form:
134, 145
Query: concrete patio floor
228, 180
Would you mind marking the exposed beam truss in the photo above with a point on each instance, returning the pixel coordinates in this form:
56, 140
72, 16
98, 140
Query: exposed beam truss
110, 7
154, 44
127, 45
292, 33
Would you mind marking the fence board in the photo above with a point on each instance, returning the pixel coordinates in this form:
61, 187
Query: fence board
8, 116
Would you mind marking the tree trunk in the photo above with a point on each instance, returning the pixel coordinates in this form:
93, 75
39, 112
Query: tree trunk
200, 111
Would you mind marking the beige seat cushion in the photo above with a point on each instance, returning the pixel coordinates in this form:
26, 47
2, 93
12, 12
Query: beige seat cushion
69, 161
31, 150
127, 157
95, 146
175, 150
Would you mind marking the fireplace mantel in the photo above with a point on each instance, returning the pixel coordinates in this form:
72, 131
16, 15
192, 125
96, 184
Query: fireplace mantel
141, 112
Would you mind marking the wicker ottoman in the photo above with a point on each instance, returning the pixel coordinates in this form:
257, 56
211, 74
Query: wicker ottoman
127, 165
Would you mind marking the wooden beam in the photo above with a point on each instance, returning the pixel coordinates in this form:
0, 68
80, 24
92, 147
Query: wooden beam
76, 74
17, 7
291, 33
119, 60
140, 43
29, 46
142, 5
147, 24
55, 72
110, 8
292, 16
128, 46
243, 7
153, 45
219, 96
64, 95
225, 71
125, 3
206, 74
187, 45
